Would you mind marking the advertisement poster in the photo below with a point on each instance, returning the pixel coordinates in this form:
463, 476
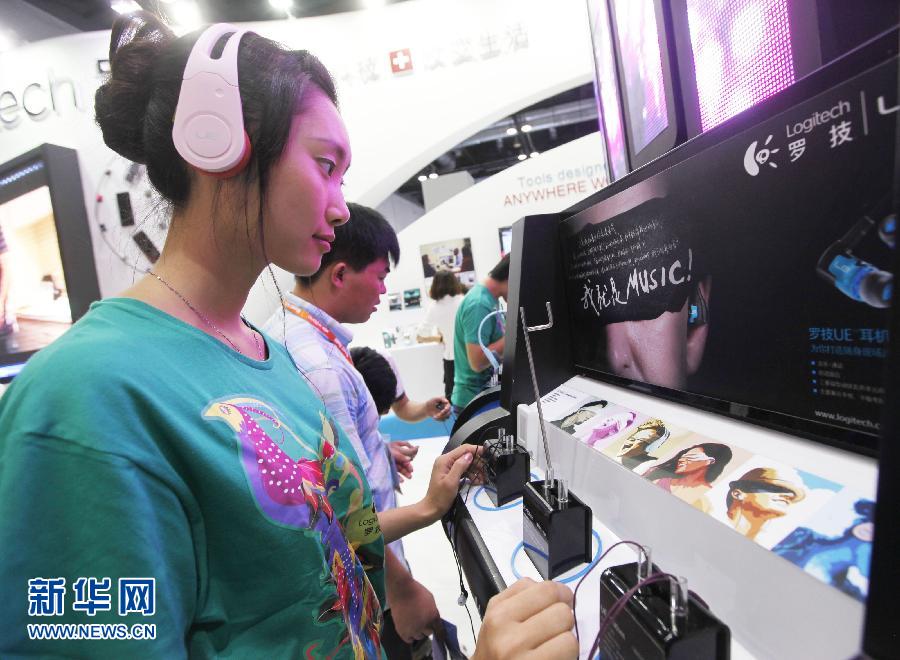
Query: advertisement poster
836, 545
765, 500
597, 422
455, 256
693, 466
34, 305
755, 273
645, 443
412, 298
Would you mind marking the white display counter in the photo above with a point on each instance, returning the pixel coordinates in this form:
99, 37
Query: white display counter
421, 367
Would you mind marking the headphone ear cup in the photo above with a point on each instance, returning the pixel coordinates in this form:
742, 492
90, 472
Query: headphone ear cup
242, 163
208, 127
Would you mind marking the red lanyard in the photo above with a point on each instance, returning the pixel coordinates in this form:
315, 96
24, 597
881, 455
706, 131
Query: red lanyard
317, 324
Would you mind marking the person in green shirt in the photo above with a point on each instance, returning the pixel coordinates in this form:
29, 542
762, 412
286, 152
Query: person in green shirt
472, 368
170, 486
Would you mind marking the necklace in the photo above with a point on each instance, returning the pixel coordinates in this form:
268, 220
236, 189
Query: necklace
208, 322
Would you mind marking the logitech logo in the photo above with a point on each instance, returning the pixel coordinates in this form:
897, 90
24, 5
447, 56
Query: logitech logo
206, 135
754, 157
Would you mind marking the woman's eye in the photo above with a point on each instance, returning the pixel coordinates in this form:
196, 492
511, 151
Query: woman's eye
328, 166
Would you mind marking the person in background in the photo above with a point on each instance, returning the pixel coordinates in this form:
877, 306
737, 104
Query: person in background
345, 289
380, 378
472, 371
447, 294
391, 396
382, 383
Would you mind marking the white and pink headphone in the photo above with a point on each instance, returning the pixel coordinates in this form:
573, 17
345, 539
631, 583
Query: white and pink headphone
208, 129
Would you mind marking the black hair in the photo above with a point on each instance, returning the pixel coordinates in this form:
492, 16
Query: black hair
363, 240
444, 283
378, 375
135, 105
722, 454
500, 272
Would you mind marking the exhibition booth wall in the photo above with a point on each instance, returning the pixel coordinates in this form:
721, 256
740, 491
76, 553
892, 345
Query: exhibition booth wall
414, 79
548, 183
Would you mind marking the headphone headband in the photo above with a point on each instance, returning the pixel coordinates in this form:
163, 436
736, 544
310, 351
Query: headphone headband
208, 128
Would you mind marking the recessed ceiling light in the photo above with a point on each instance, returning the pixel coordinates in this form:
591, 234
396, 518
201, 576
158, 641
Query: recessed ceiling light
521, 156
526, 128
534, 154
511, 130
124, 6
422, 177
433, 175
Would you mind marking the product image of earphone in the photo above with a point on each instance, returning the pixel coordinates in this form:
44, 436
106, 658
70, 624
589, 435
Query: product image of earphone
854, 277
698, 309
208, 129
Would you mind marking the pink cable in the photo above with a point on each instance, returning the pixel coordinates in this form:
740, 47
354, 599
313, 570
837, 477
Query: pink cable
596, 563
620, 604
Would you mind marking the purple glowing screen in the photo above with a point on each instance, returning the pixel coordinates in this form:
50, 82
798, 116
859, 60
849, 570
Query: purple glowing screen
742, 54
606, 90
638, 37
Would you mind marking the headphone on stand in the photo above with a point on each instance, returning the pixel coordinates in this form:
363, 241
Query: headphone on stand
208, 128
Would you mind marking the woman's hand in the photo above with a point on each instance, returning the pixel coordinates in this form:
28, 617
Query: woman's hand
530, 619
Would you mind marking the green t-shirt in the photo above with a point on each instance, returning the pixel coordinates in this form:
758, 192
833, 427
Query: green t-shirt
478, 303
136, 446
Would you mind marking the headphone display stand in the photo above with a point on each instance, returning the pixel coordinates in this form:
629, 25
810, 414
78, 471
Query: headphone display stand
556, 525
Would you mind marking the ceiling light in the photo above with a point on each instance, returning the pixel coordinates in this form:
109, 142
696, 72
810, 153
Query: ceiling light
185, 16
526, 128
534, 154
433, 175
281, 5
422, 177
124, 6
511, 130
521, 156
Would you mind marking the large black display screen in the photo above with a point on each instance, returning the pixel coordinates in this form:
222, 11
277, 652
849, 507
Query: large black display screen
754, 276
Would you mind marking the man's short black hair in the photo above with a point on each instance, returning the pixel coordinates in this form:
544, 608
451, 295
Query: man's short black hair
500, 272
379, 377
363, 240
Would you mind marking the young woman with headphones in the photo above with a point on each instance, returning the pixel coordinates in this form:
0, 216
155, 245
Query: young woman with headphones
163, 462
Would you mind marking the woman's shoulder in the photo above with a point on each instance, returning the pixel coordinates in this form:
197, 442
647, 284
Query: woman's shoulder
116, 342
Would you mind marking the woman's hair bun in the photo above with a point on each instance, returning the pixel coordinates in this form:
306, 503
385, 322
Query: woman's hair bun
120, 104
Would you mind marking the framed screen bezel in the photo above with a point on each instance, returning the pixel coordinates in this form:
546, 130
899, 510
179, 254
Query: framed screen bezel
869, 55
57, 168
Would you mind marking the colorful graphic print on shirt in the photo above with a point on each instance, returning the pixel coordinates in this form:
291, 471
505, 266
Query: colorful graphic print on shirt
290, 479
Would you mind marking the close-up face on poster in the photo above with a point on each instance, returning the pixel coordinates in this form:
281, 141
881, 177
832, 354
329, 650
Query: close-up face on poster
755, 272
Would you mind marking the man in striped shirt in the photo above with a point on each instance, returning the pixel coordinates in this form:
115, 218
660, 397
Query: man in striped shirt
346, 289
